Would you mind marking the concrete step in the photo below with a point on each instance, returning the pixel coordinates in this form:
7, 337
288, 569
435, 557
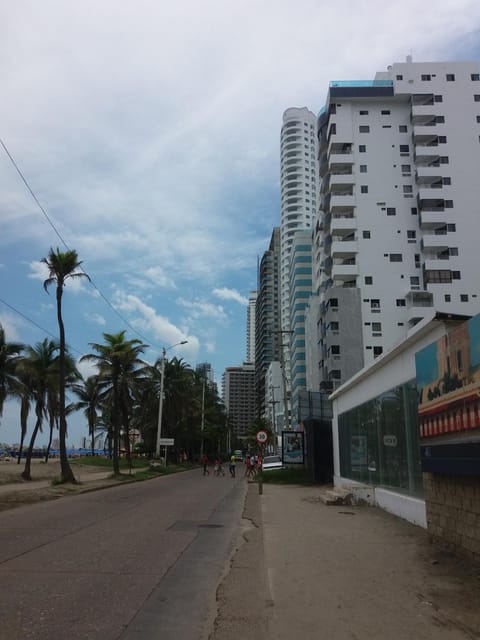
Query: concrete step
337, 496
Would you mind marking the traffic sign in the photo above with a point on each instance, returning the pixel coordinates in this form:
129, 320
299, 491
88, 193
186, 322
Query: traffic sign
167, 442
262, 436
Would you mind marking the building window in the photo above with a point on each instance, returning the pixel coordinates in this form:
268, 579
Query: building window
385, 112
450, 77
368, 280
399, 77
376, 326
443, 160
438, 98
366, 235
402, 128
404, 148
475, 77
456, 275
414, 281
451, 227
453, 251
406, 169
411, 234
362, 148
448, 297
395, 257
363, 188
333, 302
364, 113
407, 188
442, 139
463, 297
377, 351
417, 260
401, 302
363, 168
374, 303
425, 77
440, 119
335, 349
447, 180
414, 211
364, 128
391, 211
476, 97
448, 204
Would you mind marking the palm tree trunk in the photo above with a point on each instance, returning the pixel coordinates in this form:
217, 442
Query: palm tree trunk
66, 470
50, 437
26, 474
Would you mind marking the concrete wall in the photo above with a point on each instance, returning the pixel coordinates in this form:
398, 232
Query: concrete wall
453, 511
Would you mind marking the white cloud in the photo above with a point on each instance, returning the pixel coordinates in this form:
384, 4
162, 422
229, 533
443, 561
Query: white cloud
86, 369
203, 309
230, 294
12, 325
95, 318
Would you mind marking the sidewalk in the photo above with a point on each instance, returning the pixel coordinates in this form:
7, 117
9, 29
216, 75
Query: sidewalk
312, 571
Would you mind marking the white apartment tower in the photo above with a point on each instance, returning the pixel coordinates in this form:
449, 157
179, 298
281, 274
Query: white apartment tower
400, 208
298, 199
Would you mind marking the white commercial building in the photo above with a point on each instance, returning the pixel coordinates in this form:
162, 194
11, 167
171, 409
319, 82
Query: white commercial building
252, 301
396, 239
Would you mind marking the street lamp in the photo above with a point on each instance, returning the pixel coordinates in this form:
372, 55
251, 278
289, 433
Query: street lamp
160, 403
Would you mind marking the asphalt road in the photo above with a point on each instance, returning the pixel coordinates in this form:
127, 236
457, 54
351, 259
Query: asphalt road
140, 561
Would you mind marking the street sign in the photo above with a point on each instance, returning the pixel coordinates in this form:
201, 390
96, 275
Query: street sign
167, 442
262, 436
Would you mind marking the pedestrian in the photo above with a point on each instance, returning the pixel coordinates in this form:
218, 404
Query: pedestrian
231, 468
218, 469
206, 472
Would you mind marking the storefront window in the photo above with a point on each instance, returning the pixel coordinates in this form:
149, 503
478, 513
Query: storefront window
379, 441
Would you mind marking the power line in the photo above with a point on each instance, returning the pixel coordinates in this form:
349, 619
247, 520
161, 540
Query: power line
50, 222
36, 324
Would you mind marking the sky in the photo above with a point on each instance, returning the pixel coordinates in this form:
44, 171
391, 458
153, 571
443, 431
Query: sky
149, 133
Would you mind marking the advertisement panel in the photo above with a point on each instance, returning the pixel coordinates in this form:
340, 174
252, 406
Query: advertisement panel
293, 447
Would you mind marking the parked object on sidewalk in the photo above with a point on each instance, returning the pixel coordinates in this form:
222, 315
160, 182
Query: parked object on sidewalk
272, 462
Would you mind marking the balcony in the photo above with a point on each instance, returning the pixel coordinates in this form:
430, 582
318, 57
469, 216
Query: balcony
424, 134
434, 263
420, 111
342, 203
434, 242
343, 248
418, 303
427, 175
341, 179
426, 154
344, 271
427, 201
342, 224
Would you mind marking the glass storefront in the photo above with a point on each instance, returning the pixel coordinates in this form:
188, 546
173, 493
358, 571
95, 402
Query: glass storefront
379, 441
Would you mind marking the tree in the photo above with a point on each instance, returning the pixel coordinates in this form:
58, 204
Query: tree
119, 370
62, 266
40, 368
10, 353
88, 392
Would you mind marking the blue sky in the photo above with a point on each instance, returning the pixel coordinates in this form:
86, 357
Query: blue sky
149, 131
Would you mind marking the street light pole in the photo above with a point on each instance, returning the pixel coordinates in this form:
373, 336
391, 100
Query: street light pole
160, 401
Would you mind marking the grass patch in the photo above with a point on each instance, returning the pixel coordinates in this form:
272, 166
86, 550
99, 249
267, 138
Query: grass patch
106, 463
289, 475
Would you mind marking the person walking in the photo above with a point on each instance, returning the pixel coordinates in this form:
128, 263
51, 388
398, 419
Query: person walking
206, 472
231, 468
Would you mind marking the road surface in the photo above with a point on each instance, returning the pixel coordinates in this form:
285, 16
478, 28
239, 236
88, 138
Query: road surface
137, 561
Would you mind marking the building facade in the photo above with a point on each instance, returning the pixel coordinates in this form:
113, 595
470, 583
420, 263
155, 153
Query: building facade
239, 398
399, 198
252, 301
298, 200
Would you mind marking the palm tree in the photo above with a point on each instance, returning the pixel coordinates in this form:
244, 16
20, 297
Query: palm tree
9, 357
40, 367
119, 368
88, 392
62, 266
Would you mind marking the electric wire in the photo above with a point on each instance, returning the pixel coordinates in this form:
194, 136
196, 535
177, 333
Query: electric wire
63, 241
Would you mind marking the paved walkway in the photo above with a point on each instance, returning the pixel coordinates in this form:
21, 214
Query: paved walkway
339, 573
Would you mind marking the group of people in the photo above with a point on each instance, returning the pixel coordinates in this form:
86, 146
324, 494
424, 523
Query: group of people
252, 464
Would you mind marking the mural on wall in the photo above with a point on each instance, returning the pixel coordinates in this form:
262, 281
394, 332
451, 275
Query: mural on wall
448, 381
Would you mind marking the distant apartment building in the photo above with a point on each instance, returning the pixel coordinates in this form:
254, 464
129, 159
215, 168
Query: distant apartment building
267, 318
396, 237
298, 199
239, 398
205, 370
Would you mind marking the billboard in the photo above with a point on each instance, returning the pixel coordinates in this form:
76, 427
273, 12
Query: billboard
293, 447
448, 382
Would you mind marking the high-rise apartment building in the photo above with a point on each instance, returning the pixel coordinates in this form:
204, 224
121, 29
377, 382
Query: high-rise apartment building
298, 200
267, 322
239, 398
252, 301
396, 239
